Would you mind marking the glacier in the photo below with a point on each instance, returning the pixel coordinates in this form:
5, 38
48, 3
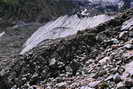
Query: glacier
62, 27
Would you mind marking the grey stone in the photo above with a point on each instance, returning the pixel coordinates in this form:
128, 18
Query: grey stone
121, 86
128, 46
104, 60
115, 41
129, 82
85, 87
131, 87
52, 61
130, 34
117, 78
109, 78
61, 85
122, 34
94, 84
129, 68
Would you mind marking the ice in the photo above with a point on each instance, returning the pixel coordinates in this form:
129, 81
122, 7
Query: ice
62, 27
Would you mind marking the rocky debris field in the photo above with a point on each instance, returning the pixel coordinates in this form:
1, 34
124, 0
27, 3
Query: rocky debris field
97, 58
12, 38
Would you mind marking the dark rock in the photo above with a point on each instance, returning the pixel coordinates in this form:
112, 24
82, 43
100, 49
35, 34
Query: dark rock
68, 59
117, 78
129, 83
103, 85
128, 46
123, 34
3, 83
131, 34
121, 86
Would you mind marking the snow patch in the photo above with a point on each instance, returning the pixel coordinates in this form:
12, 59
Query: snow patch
62, 27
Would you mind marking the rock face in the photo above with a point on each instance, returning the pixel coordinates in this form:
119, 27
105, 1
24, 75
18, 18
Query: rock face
104, 6
46, 10
79, 61
3, 84
40, 10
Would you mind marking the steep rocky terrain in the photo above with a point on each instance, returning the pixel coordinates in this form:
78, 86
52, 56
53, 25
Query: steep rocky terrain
96, 58
46, 10
21, 12
20, 18
104, 6
37, 10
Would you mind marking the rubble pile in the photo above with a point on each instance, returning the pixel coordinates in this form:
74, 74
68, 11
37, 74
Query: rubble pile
97, 58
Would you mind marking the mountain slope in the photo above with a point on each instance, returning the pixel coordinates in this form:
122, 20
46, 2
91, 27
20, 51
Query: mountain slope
93, 58
37, 10
62, 27
104, 6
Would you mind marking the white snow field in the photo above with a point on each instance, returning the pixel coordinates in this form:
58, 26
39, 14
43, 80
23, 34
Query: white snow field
62, 27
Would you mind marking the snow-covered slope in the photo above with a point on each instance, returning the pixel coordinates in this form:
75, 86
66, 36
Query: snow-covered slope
62, 27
